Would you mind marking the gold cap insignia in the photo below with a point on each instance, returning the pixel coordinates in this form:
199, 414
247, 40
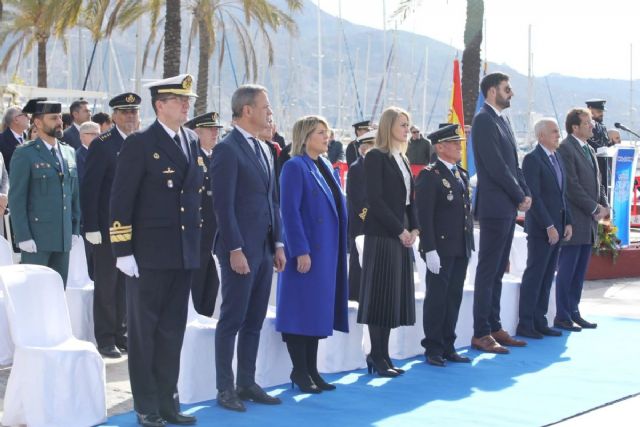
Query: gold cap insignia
130, 99
187, 82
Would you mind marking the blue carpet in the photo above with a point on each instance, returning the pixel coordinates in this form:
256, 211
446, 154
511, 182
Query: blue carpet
547, 381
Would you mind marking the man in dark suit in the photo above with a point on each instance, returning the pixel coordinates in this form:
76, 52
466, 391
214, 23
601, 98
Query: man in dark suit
446, 230
247, 244
357, 208
109, 307
44, 198
205, 282
15, 122
360, 129
546, 223
155, 235
80, 113
588, 205
88, 132
501, 192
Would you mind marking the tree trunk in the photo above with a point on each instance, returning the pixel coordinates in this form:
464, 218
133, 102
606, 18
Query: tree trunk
471, 62
172, 46
202, 85
42, 61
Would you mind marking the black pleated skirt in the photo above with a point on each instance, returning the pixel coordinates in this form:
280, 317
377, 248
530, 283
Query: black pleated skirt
387, 294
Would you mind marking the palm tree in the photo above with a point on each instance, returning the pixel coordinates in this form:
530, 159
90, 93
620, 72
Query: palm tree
215, 19
471, 61
172, 47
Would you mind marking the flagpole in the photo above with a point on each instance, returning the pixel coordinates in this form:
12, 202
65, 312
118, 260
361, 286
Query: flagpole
424, 89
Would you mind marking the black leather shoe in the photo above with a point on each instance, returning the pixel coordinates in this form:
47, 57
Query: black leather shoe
435, 361
256, 394
549, 331
179, 418
228, 399
584, 324
110, 351
529, 333
150, 420
122, 347
456, 358
567, 325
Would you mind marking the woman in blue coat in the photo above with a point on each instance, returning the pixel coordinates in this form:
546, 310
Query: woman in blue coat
313, 288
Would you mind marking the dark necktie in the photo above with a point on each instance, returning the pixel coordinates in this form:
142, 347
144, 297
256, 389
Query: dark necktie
260, 155
587, 154
176, 138
456, 173
556, 167
20, 141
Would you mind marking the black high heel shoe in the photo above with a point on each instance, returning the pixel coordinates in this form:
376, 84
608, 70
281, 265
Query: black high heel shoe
304, 383
381, 368
398, 370
321, 383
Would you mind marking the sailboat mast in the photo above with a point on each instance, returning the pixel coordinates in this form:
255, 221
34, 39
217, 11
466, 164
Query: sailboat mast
319, 61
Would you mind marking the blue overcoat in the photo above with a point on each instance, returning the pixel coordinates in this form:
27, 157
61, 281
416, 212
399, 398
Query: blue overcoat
314, 303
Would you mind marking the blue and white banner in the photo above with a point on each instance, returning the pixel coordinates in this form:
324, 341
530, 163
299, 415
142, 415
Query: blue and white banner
623, 175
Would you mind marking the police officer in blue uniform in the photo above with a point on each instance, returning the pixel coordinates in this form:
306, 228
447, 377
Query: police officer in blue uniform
109, 306
44, 201
155, 235
446, 242
205, 282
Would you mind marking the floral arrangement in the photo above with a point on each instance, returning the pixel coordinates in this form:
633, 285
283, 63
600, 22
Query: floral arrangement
608, 242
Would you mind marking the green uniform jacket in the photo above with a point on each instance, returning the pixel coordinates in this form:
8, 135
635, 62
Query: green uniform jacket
44, 197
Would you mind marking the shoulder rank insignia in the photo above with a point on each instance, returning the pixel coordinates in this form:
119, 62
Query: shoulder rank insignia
104, 136
363, 214
119, 232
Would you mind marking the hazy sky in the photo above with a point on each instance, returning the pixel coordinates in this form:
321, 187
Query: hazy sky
584, 38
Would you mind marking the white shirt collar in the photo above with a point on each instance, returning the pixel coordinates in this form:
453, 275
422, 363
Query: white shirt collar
246, 134
17, 135
581, 142
206, 152
167, 129
124, 135
498, 112
546, 150
77, 126
447, 164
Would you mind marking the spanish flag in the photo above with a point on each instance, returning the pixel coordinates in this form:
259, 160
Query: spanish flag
456, 115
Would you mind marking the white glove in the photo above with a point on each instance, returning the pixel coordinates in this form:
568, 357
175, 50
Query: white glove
127, 264
93, 237
75, 239
433, 262
28, 246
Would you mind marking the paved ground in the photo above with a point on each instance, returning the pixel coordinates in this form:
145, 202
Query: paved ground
604, 297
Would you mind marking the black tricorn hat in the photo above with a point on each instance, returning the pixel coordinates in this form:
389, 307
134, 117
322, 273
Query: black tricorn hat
47, 107
30, 106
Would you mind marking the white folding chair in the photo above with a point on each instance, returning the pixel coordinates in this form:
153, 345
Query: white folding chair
6, 345
56, 379
80, 294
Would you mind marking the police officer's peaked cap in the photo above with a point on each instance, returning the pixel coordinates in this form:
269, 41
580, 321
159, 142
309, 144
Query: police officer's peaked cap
368, 137
207, 120
125, 101
178, 85
30, 106
364, 125
444, 134
598, 104
47, 107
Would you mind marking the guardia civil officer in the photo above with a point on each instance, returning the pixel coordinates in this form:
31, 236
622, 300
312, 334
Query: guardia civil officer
205, 281
446, 231
44, 200
109, 306
155, 235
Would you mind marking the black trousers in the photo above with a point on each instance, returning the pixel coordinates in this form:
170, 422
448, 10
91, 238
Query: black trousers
157, 316
573, 263
244, 306
442, 304
496, 236
109, 298
354, 271
542, 259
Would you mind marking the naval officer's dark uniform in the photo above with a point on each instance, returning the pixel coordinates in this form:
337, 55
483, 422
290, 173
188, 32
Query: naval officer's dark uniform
446, 226
155, 216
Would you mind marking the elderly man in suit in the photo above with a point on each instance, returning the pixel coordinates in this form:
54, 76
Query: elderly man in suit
588, 204
15, 122
247, 243
155, 236
80, 113
546, 223
501, 192
44, 195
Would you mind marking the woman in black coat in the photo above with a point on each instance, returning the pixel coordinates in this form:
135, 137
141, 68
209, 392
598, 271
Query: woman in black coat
387, 297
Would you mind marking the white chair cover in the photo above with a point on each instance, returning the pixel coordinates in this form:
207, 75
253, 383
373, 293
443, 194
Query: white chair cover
273, 365
343, 352
80, 294
56, 379
6, 344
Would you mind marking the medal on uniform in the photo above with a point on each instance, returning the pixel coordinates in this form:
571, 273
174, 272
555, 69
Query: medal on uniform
200, 161
450, 196
446, 183
156, 156
168, 170
169, 183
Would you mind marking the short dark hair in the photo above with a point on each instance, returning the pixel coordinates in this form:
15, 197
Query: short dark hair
66, 120
492, 80
244, 95
101, 118
75, 105
573, 118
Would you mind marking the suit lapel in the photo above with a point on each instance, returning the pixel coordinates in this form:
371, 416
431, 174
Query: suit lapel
317, 175
544, 158
169, 147
395, 167
251, 155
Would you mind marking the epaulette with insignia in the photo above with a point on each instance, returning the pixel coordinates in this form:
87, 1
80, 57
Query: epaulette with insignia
104, 136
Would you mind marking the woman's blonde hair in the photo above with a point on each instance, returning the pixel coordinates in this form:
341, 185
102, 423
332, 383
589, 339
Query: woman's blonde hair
302, 130
384, 139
